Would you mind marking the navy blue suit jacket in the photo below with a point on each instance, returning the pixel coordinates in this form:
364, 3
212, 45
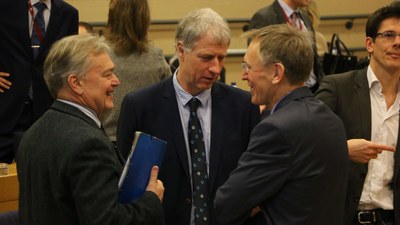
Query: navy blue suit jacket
16, 57
154, 110
295, 167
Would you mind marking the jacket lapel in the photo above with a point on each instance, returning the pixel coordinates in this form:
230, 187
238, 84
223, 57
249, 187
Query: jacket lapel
217, 124
169, 102
363, 98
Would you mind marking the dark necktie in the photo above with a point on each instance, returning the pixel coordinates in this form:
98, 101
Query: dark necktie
39, 20
296, 20
199, 166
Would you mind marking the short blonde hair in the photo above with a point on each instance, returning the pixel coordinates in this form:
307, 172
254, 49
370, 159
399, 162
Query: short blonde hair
281, 43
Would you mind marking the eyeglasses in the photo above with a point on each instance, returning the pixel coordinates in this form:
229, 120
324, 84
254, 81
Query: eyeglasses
246, 67
388, 35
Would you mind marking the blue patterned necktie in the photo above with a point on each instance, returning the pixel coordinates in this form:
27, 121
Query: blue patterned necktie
199, 166
39, 20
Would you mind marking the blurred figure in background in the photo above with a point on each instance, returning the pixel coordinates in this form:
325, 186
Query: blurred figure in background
85, 28
287, 11
28, 30
138, 62
312, 11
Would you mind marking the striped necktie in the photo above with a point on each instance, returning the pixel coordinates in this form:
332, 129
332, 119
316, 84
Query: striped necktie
39, 20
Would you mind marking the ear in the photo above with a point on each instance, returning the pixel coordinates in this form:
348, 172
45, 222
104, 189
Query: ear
74, 84
180, 49
369, 44
279, 71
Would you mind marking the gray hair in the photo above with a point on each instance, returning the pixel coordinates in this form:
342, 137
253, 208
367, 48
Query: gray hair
197, 23
284, 44
70, 55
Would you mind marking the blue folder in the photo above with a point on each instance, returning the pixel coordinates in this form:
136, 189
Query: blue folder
146, 152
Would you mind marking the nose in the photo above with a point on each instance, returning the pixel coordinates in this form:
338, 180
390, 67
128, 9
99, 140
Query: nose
216, 66
397, 41
115, 81
244, 75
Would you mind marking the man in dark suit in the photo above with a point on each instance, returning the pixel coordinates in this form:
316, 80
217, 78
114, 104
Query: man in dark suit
68, 170
287, 11
24, 96
295, 168
226, 118
368, 102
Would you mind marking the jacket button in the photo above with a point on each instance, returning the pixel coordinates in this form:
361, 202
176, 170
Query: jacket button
188, 201
356, 199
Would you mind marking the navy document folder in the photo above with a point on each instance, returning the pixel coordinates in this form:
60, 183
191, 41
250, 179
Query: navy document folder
146, 152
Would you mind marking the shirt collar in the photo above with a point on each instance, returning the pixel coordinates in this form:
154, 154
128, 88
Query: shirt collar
289, 11
372, 79
88, 112
47, 2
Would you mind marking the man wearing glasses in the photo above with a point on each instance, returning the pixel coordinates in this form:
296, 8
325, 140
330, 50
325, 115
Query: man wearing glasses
368, 101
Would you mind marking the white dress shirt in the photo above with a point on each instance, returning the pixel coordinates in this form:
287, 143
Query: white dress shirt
385, 124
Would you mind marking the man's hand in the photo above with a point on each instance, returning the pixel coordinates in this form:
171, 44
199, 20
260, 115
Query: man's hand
155, 185
4, 83
361, 150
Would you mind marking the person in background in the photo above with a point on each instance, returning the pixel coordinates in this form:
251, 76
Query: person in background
287, 11
28, 29
138, 62
320, 41
295, 168
206, 123
368, 102
85, 28
68, 170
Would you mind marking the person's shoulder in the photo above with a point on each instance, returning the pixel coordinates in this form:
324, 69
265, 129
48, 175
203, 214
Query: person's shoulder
152, 91
265, 9
152, 49
155, 53
349, 75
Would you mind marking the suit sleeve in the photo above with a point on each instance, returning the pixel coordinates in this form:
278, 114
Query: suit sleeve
93, 174
257, 21
262, 171
327, 92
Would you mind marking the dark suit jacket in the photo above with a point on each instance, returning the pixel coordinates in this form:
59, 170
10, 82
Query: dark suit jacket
347, 95
273, 14
16, 57
295, 167
68, 173
154, 110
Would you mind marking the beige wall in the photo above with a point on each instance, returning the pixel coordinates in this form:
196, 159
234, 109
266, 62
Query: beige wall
163, 35
96, 10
